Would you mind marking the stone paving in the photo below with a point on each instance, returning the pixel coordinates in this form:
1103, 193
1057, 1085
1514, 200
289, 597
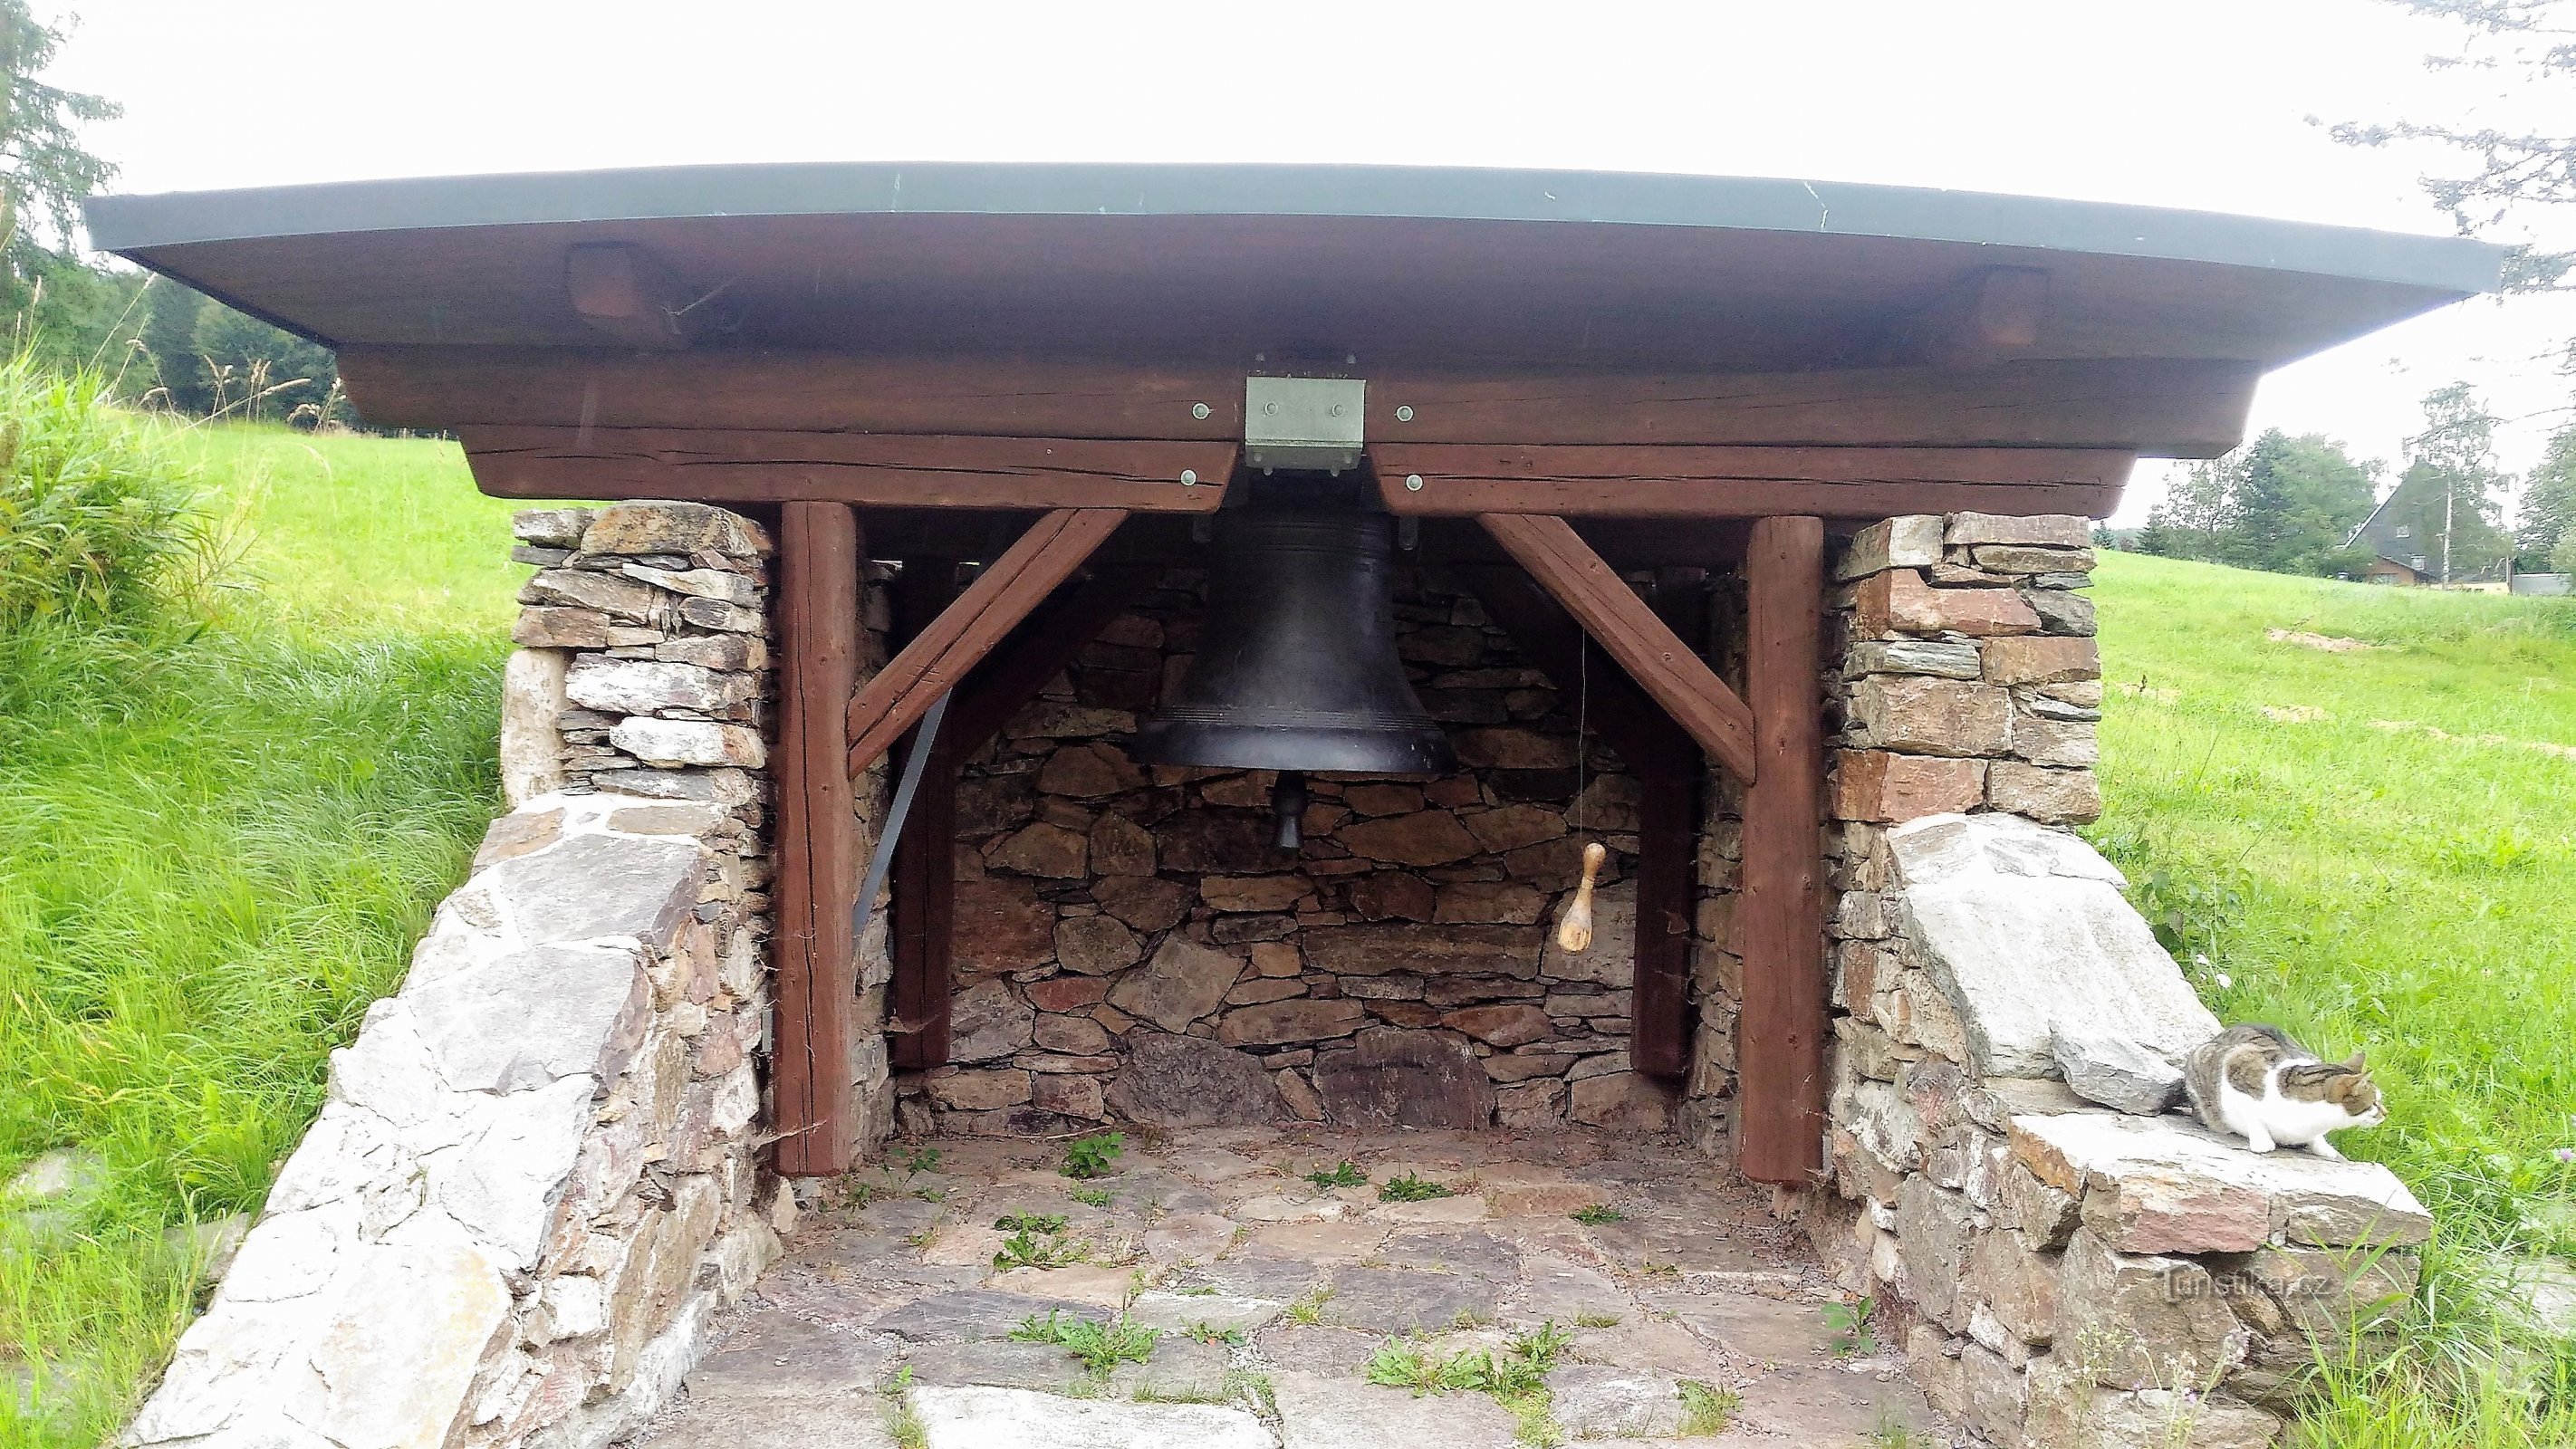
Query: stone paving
889, 1322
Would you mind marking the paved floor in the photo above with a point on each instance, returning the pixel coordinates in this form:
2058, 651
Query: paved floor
889, 1322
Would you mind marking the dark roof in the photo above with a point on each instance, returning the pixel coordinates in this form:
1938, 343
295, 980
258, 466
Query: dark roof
1538, 267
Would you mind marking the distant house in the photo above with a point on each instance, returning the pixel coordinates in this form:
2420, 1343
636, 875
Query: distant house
2405, 533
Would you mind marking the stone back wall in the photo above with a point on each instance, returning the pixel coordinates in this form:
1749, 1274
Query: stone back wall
1129, 944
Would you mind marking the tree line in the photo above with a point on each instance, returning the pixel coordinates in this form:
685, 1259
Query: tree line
2297, 505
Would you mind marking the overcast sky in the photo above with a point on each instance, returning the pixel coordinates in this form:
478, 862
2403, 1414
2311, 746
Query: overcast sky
2193, 103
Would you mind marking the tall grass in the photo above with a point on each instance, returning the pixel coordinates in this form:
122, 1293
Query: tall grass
99, 519
220, 830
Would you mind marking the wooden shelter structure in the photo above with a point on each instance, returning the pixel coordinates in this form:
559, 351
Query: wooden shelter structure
1555, 382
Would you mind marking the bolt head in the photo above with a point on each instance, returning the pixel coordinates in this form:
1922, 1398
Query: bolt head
1269, 408
1198, 410
1412, 482
1189, 477
1404, 414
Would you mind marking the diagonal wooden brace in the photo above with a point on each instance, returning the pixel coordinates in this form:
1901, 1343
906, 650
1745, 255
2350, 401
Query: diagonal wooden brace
1644, 645
938, 659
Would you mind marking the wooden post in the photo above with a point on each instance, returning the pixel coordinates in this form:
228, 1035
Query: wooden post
816, 834
1779, 1131
923, 923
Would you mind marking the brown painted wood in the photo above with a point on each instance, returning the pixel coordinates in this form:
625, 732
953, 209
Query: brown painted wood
1610, 612
1602, 481
816, 836
623, 292
1990, 315
1667, 763
2162, 407
901, 470
951, 645
921, 930
1780, 922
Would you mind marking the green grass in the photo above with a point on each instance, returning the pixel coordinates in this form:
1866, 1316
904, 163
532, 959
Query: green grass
2383, 862
221, 838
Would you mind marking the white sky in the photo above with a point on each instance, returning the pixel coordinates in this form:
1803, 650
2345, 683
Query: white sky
2195, 103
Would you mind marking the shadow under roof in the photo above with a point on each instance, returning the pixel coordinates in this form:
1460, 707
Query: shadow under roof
1490, 268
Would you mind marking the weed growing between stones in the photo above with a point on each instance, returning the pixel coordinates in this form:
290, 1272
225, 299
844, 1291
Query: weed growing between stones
917, 1160
1037, 1240
1253, 1391
1092, 1196
1597, 1214
1516, 1376
1308, 1310
1101, 1344
1091, 1156
1596, 1320
1205, 1332
1706, 1411
1344, 1174
1410, 1188
901, 1422
1848, 1329
1892, 1435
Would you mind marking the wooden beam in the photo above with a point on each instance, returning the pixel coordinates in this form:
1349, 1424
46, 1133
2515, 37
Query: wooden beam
1600, 481
1001, 596
816, 837
1780, 920
1667, 763
921, 933
1044, 646
1990, 315
2161, 407
1662, 665
624, 292
727, 466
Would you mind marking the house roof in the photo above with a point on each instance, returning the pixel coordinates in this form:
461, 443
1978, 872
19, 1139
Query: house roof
1501, 267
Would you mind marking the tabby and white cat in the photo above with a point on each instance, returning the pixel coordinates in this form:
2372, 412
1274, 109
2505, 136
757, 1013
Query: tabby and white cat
2257, 1083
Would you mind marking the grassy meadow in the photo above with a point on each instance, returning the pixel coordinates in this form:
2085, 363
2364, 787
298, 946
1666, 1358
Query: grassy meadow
219, 835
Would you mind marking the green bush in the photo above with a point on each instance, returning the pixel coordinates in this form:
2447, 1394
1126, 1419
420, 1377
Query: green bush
99, 519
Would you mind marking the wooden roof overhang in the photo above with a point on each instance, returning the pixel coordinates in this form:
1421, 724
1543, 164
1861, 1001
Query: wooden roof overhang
1569, 376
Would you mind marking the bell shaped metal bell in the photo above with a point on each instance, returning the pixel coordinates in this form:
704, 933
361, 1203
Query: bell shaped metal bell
1296, 666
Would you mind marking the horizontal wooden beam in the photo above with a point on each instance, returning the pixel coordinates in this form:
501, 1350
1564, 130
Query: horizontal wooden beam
725, 466
2160, 407
625, 293
1598, 481
1644, 645
943, 653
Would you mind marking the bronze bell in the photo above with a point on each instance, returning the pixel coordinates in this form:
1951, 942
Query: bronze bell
1296, 667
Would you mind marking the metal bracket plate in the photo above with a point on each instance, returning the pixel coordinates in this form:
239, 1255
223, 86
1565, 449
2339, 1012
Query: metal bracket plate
1303, 422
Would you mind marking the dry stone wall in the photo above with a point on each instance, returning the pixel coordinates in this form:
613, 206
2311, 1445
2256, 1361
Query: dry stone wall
1130, 946
2082, 1266
538, 1169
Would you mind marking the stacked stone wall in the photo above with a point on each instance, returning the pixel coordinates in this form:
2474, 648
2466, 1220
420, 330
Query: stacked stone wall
1130, 946
539, 1168
2071, 1263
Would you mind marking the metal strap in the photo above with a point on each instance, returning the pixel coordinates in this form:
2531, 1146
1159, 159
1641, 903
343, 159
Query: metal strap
924, 736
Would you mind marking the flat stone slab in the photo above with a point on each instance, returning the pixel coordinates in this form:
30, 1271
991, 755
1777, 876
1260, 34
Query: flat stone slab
1832, 1405
1595, 1401
2023, 928
1285, 1279
1189, 1238
1761, 1330
1174, 1312
1561, 1291
985, 1418
792, 1423
998, 1364
1478, 1254
1335, 1413
1179, 1368
969, 1313
1330, 1352
2166, 1185
1402, 1300
1687, 1247
776, 1356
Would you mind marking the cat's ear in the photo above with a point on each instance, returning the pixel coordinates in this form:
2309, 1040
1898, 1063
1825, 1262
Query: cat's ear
2355, 1063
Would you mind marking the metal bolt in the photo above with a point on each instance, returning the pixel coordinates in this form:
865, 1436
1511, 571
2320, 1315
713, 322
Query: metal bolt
1189, 477
1269, 408
1337, 410
1412, 482
1198, 410
1404, 414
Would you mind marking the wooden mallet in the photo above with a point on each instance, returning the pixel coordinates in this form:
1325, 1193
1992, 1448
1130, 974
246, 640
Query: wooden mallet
1574, 933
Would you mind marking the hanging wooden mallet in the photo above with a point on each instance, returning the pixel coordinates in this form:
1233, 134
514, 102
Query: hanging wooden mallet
1574, 932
